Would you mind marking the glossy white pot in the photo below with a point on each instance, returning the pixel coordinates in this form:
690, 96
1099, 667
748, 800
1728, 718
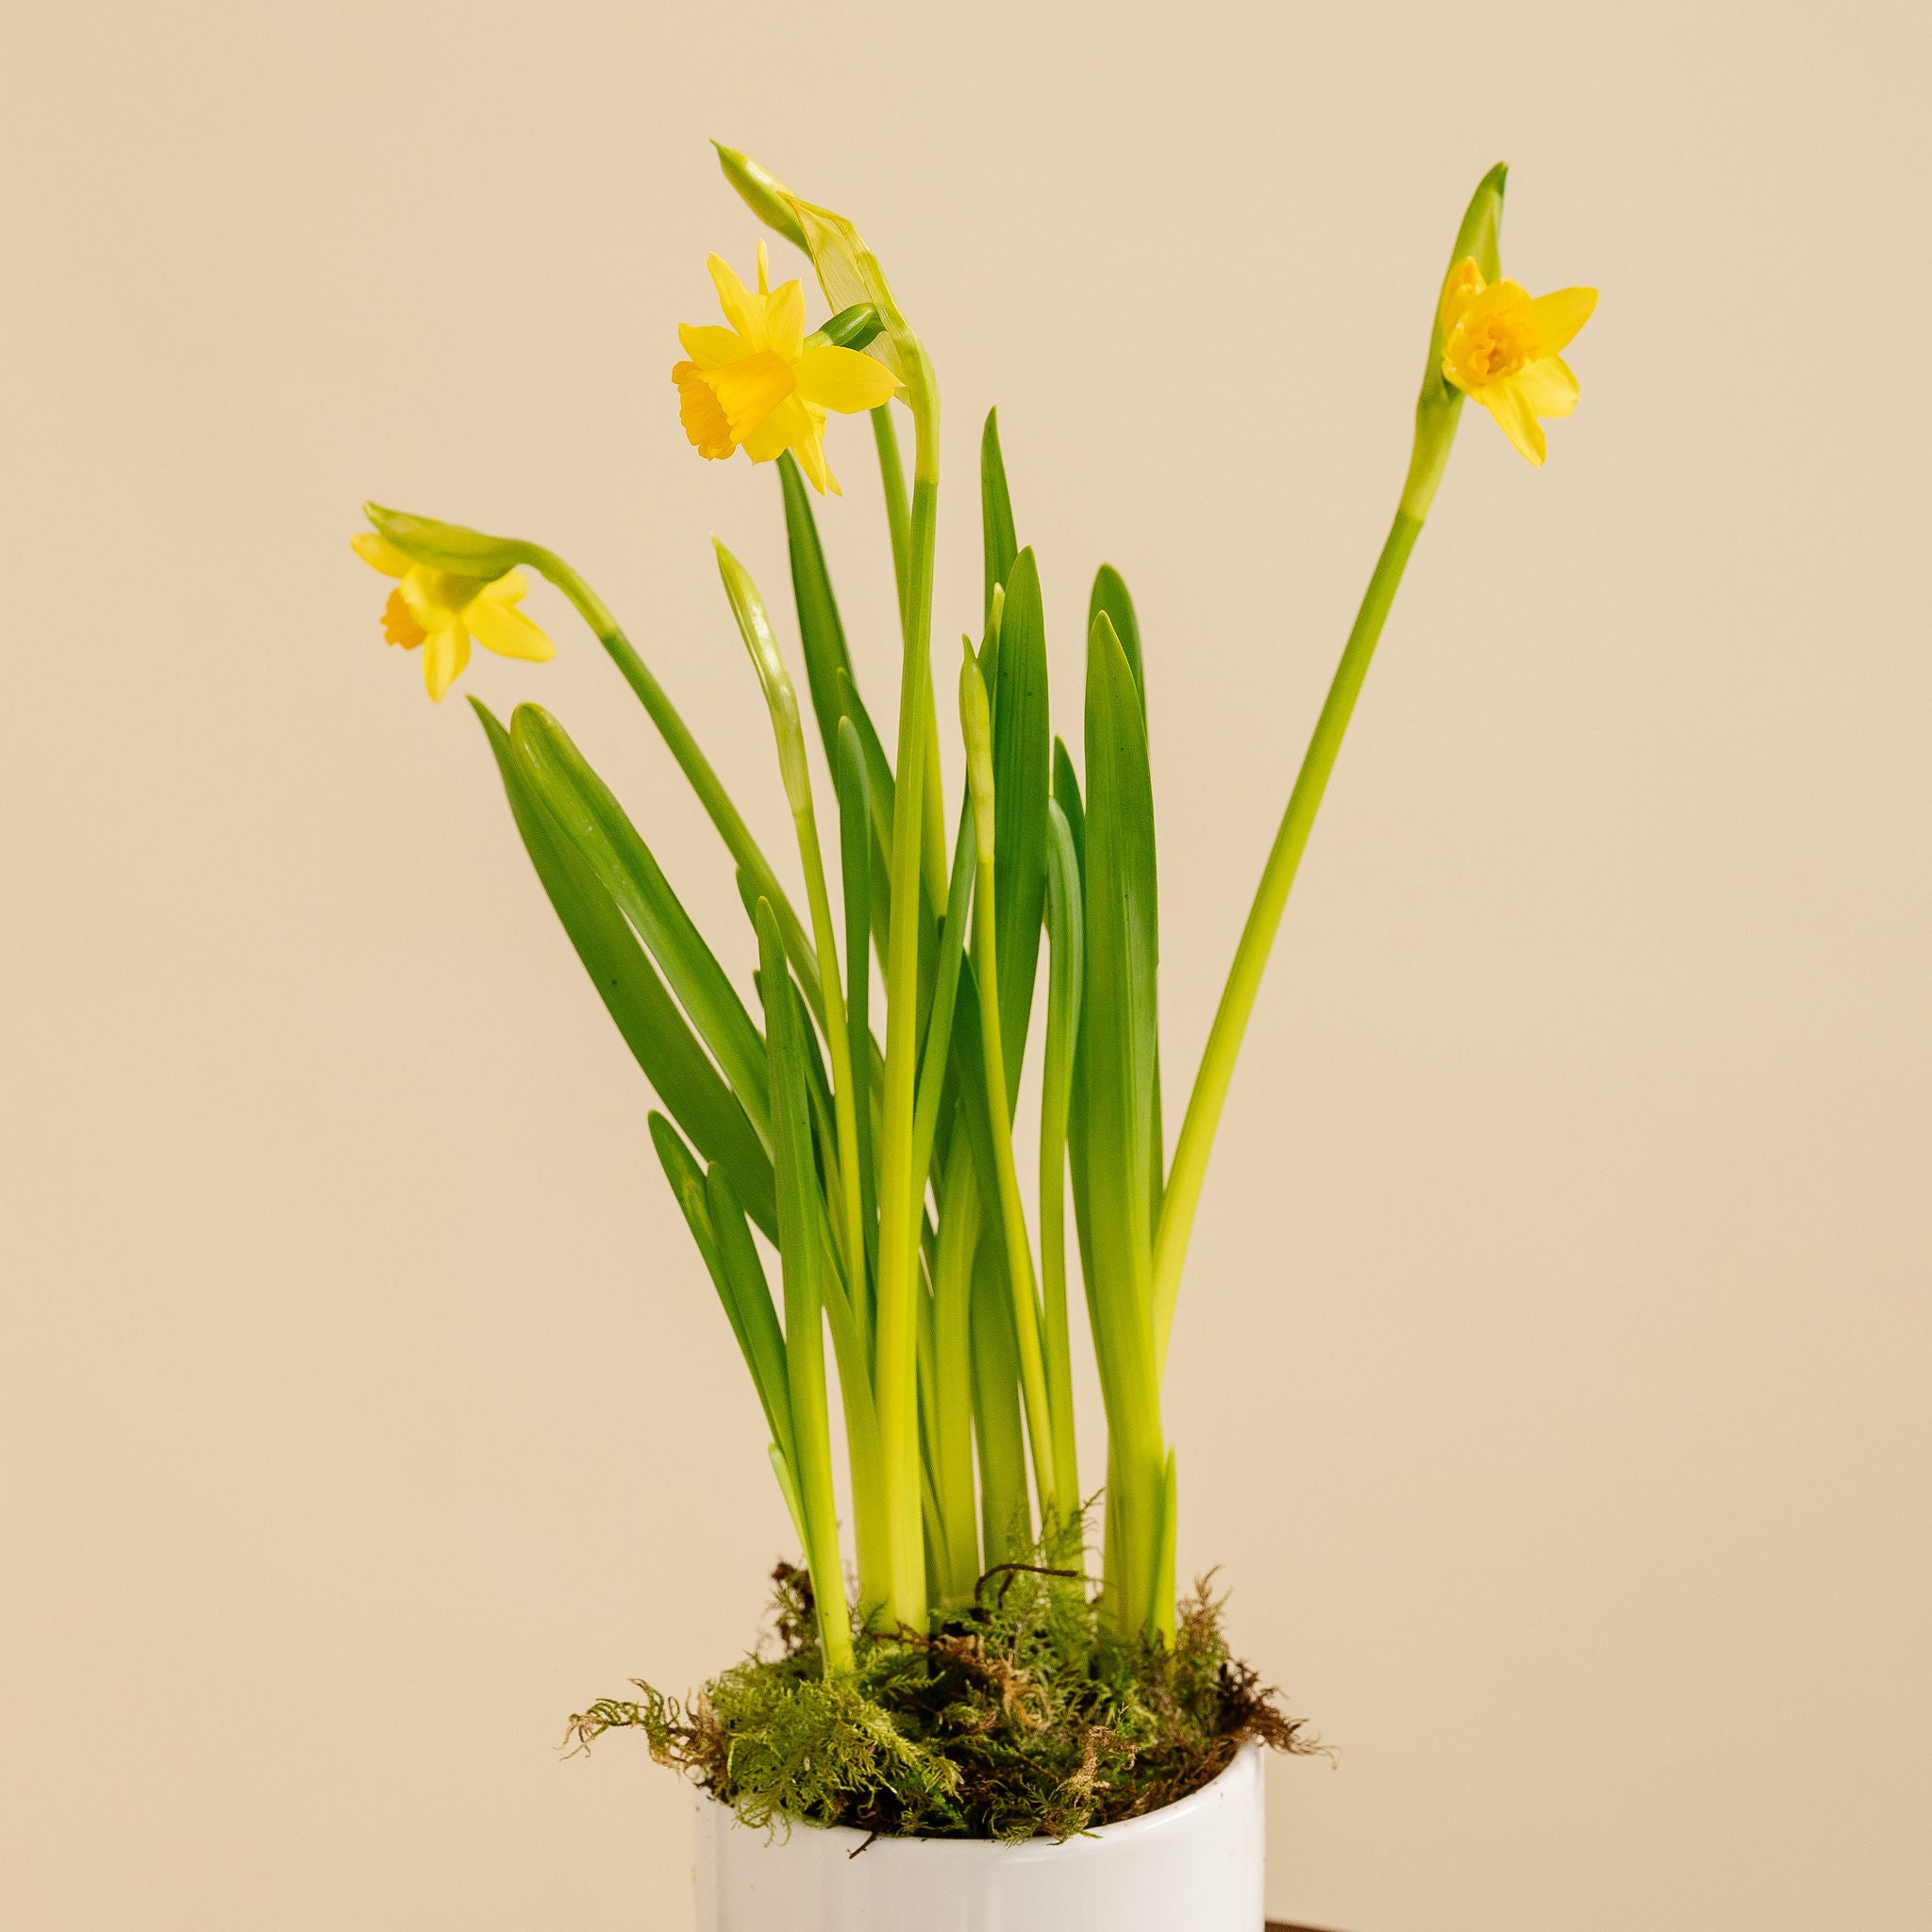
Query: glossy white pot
1193, 1867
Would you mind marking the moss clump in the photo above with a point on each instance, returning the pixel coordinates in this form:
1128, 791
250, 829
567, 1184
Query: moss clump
1017, 1718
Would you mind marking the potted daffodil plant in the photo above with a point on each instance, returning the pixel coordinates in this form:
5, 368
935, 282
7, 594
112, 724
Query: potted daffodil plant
985, 1676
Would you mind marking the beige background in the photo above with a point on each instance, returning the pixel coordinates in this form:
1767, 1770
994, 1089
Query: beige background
1552, 1376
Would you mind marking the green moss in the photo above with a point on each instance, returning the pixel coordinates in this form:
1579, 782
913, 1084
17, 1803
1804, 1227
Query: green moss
1018, 1718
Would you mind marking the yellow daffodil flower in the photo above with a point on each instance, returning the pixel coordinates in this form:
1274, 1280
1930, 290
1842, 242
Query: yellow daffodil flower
761, 386
440, 613
1500, 345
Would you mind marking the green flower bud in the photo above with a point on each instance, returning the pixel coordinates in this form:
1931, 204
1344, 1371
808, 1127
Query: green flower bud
851, 329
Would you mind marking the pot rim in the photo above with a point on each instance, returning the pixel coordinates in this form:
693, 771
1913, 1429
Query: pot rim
1247, 1755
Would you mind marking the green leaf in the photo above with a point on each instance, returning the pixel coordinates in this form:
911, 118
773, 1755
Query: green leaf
1123, 946
1066, 796
857, 852
724, 1239
995, 511
1022, 738
800, 1214
652, 1026
1109, 594
819, 626
583, 809
1006, 1521
1118, 1036
879, 789
1065, 979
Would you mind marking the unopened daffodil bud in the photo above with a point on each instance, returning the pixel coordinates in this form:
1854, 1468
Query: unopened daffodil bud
975, 726
781, 700
766, 198
851, 329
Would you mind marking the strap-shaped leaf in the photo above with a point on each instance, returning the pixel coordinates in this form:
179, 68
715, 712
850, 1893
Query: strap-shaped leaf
995, 511
1006, 1519
820, 629
800, 1211
1022, 740
646, 1015
857, 851
1109, 594
1066, 796
723, 1238
583, 809
1065, 982
1118, 1030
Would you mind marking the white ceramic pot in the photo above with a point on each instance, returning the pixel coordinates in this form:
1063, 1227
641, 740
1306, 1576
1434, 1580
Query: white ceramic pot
1193, 1867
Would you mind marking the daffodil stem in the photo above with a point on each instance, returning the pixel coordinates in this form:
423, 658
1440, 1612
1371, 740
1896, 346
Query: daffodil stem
893, 480
711, 795
902, 1190
1264, 920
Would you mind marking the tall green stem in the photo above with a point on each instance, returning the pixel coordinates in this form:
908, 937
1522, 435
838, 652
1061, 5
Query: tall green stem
893, 480
1264, 920
696, 768
901, 1192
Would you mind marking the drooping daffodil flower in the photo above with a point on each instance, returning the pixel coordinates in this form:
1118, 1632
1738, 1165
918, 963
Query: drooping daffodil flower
761, 385
439, 614
1502, 346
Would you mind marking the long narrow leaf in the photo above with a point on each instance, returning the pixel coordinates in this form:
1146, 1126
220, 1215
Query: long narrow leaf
857, 851
995, 511
1119, 1030
1006, 1519
1065, 979
759, 1337
586, 812
1109, 594
1021, 740
646, 1015
1066, 795
801, 1210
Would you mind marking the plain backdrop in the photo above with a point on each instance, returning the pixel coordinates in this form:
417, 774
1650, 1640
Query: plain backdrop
1551, 1381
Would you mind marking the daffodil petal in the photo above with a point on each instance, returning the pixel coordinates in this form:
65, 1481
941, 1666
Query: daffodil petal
711, 347
380, 554
1497, 297
1549, 386
799, 426
844, 379
414, 591
744, 311
1558, 316
780, 431
1506, 402
748, 391
785, 321
1464, 285
445, 653
512, 587
508, 632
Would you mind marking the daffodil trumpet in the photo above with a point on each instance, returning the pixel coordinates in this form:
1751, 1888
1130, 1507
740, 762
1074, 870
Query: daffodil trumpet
881, 1173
